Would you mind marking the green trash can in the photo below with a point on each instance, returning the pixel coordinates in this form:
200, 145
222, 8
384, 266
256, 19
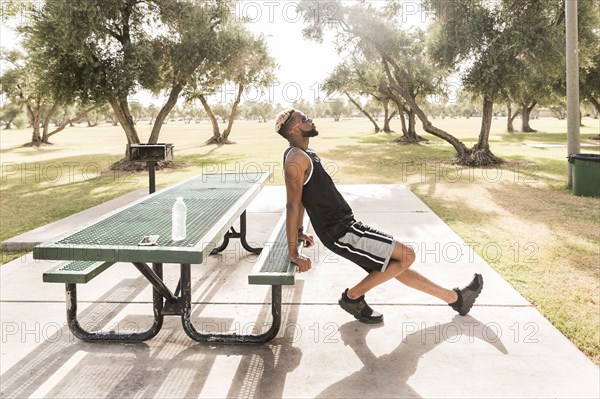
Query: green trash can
586, 174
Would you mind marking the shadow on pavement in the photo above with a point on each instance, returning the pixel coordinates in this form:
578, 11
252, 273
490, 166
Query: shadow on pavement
389, 374
169, 365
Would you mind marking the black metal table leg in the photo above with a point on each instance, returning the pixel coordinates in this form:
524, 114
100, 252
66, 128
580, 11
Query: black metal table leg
234, 234
79, 332
243, 231
224, 245
190, 330
156, 281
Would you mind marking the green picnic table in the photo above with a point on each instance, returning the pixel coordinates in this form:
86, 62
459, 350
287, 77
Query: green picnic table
214, 203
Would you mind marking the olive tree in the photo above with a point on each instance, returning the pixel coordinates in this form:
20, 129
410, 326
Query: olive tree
22, 85
373, 32
104, 51
244, 62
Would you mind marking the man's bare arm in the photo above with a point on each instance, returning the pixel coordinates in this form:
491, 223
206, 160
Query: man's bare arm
295, 169
308, 239
301, 217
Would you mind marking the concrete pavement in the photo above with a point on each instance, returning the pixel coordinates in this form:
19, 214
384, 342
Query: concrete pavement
503, 348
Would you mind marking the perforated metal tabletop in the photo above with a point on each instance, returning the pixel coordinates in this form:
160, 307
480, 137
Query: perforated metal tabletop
214, 202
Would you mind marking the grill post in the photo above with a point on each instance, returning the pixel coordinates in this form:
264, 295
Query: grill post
151, 176
151, 154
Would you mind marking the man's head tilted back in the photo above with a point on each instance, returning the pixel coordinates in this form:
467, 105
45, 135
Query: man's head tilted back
282, 122
293, 125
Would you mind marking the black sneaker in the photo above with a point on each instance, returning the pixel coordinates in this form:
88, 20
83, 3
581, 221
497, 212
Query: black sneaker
467, 295
360, 309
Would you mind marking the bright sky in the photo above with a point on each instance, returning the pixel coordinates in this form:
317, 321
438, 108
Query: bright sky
302, 64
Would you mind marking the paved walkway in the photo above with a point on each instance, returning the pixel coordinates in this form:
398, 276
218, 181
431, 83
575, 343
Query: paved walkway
503, 348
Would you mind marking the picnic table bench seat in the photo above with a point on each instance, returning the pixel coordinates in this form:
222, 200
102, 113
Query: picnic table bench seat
75, 272
274, 266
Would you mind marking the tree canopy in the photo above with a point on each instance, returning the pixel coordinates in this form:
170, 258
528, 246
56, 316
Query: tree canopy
104, 51
372, 31
242, 60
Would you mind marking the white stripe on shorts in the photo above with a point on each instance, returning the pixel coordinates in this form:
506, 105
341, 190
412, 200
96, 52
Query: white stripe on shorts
359, 253
388, 239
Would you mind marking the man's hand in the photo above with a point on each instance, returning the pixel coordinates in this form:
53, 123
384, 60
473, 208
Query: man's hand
309, 240
303, 262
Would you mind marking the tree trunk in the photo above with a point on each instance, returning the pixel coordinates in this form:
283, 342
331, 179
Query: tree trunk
525, 112
481, 154
216, 137
35, 114
407, 137
462, 152
64, 125
388, 117
510, 118
402, 120
36, 138
376, 126
121, 109
46, 123
386, 113
411, 133
232, 116
164, 112
596, 104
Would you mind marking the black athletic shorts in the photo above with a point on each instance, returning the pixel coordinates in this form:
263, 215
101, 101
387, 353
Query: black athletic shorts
367, 247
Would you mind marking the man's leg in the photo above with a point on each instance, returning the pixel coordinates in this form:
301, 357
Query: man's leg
402, 257
419, 282
352, 300
398, 267
460, 300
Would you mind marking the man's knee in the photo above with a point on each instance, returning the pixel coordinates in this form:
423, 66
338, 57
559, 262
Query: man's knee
404, 254
410, 255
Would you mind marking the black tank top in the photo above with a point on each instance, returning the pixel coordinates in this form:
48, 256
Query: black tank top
330, 214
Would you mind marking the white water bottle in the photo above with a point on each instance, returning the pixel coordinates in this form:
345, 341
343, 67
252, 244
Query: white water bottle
178, 231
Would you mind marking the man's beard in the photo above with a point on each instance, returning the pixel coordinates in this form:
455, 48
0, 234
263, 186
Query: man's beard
310, 133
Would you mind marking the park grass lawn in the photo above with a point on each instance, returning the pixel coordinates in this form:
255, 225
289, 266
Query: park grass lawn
519, 217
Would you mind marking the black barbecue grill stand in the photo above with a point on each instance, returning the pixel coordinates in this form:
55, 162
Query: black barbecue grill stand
151, 154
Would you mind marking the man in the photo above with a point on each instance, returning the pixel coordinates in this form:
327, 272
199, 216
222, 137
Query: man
309, 187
